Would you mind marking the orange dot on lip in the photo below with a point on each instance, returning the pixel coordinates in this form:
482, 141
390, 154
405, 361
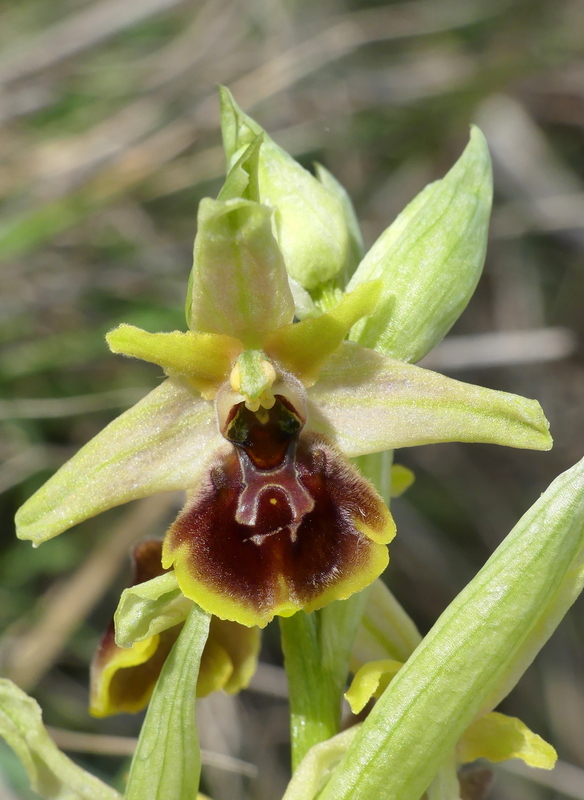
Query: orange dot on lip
273, 501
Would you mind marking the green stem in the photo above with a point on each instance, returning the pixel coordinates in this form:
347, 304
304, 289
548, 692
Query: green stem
315, 706
317, 648
167, 762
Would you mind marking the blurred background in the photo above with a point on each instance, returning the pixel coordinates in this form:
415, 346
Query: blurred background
109, 138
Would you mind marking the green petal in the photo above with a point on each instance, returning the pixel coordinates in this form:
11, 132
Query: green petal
538, 569
52, 775
239, 284
430, 259
497, 737
203, 360
159, 445
367, 402
370, 681
310, 219
303, 348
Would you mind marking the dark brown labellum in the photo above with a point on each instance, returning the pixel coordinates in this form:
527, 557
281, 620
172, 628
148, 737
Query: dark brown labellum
281, 519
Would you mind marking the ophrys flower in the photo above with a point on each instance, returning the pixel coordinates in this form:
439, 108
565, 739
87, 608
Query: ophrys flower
259, 414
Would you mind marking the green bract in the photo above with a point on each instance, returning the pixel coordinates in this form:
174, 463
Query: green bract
150, 608
167, 762
314, 234
474, 654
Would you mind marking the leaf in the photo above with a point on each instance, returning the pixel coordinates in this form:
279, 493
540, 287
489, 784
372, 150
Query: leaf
51, 773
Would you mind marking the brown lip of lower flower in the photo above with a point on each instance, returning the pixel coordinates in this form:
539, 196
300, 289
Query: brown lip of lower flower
122, 679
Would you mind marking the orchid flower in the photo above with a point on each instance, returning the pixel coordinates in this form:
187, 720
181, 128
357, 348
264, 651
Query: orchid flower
260, 413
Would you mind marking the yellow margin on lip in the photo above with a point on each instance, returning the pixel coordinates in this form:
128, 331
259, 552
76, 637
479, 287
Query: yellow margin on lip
225, 607
122, 658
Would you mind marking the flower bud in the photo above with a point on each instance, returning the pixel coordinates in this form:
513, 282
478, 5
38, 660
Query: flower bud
429, 259
310, 219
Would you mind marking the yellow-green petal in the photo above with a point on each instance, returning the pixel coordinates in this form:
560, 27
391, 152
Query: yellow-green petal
401, 479
159, 445
367, 402
370, 681
498, 737
303, 348
203, 360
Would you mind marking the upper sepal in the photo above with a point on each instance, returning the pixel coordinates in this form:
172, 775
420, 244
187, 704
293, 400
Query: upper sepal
430, 259
239, 286
310, 220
